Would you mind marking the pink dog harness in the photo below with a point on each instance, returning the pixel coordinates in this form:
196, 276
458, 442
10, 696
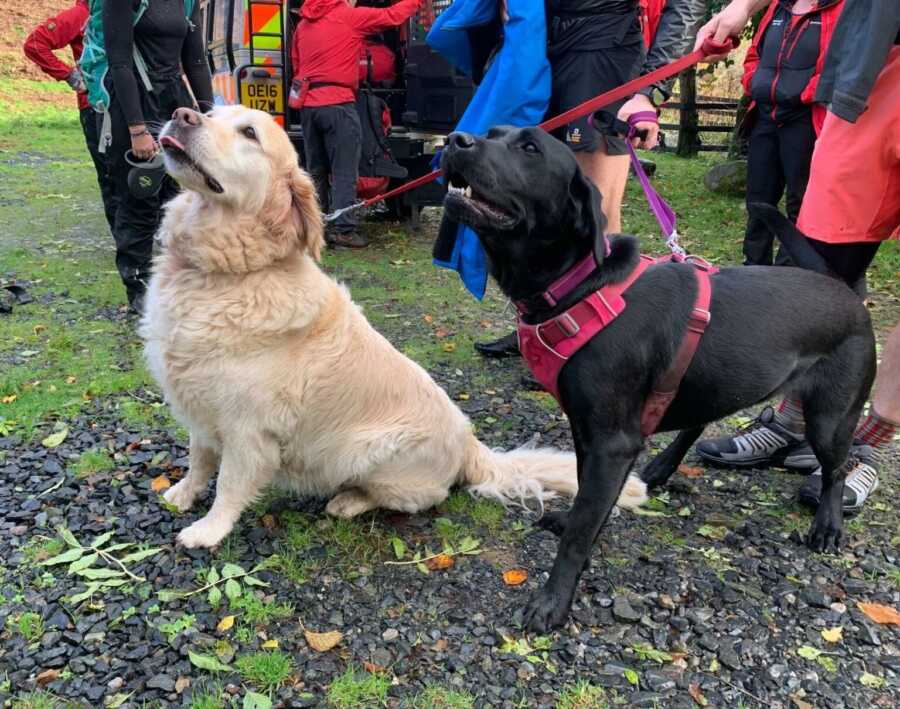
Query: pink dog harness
548, 345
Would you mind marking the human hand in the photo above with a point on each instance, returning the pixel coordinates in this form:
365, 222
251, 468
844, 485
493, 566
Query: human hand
143, 146
639, 103
730, 22
76, 80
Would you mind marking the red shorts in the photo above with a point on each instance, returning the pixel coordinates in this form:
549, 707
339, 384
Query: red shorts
854, 181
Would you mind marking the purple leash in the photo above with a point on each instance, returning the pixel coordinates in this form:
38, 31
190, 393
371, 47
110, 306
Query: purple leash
664, 214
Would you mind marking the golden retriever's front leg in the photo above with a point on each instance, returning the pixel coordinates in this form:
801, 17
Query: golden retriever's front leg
203, 463
248, 465
350, 503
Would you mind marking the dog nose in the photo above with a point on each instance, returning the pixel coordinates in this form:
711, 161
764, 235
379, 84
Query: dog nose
461, 141
187, 116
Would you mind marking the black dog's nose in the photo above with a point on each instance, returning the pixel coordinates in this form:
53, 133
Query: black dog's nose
461, 141
186, 116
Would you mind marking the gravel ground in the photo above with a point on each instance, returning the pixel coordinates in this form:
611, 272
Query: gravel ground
707, 601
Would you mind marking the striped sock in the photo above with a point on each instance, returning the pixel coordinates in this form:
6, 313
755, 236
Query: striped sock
876, 431
790, 415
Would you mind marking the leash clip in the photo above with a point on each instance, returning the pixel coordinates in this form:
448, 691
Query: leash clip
337, 213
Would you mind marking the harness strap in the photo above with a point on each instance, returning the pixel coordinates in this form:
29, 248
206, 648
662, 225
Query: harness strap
105, 139
666, 388
141, 67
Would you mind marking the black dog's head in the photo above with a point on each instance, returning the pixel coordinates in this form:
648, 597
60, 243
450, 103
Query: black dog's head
522, 192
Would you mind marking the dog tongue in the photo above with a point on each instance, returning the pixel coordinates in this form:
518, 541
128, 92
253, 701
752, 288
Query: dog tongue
167, 141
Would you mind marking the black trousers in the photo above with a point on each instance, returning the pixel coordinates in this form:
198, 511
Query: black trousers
777, 164
92, 139
332, 141
136, 219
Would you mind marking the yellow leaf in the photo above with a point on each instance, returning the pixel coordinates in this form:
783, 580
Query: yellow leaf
270, 645
322, 642
884, 615
515, 577
833, 635
71, 380
160, 483
463, 397
449, 346
440, 562
225, 624
9, 399
38, 329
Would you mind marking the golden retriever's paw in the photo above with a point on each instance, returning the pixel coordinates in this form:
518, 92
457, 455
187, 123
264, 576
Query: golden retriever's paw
349, 504
181, 495
203, 533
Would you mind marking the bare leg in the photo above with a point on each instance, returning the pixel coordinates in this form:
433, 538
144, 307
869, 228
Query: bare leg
609, 173
886, 398
204, 459
249, 465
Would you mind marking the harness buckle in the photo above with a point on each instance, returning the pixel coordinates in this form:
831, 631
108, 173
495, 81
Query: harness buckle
698, 320
567, 324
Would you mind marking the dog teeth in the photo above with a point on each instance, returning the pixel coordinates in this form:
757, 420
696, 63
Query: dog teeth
467, 192
456, 190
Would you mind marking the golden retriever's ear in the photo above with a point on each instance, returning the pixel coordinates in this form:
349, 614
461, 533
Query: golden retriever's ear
305, 213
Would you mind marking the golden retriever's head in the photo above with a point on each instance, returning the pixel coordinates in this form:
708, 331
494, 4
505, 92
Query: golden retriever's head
256, 205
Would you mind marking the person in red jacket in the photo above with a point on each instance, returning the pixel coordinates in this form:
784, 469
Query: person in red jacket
781, 73
325, 58
67, 30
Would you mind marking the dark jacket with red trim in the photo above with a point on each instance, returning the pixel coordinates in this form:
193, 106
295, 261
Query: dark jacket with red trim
64, 30
786, 58
328, 43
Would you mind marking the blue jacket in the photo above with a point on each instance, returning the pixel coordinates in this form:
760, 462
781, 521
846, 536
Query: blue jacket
515, 91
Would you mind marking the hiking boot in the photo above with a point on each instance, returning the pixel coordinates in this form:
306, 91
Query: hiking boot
764, 442
506, 346
861, 482
801, 460
347, 240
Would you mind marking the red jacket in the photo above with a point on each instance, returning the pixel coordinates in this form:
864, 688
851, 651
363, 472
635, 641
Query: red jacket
328, 43
826, 12
651, 12
64, 30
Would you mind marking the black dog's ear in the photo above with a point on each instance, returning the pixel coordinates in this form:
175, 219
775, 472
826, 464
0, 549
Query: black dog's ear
589, 218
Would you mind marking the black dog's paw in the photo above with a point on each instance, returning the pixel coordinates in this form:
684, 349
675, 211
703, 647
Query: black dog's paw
824, 534
554, 522
545, 611
657, 472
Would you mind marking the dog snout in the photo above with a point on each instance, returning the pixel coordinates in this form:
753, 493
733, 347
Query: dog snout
186, 116
461, 141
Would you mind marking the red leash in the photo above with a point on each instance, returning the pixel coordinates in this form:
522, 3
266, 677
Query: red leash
626, 90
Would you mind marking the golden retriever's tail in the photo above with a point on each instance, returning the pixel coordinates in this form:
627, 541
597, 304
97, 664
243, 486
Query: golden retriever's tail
529, 472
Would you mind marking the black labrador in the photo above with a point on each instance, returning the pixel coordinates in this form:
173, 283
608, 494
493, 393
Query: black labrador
773, 329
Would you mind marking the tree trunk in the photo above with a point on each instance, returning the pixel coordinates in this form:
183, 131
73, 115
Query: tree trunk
688, 135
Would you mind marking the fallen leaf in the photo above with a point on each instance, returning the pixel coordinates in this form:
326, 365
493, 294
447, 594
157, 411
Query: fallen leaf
323, 642
71, 380
9, 399
38, 329
181, 684
800, 703
269, 522
449, 346
808, 652
866, 680
132, 447
270, 644
372, 668
428, 318
833, 635
697, 695
46, 677
255, 700
439, 562
883, 615
690, 472
515, 577
160, 483
207, 662
462, 396
441, 332
440, 645
225, 624
54, 439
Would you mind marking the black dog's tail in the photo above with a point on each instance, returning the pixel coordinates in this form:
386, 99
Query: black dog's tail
792, 239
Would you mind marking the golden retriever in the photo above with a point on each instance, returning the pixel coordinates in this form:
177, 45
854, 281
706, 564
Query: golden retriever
271, 367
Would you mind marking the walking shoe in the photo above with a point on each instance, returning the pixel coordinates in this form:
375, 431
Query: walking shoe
506, 346
762, 443
801, 460
861, 482
348, 240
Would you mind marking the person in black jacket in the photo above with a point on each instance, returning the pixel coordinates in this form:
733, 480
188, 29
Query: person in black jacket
170, 45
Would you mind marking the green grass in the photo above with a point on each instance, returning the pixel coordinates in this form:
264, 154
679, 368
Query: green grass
207, 697
582, 695
435, 697
174, 627
92, 462
29, 625
254, 611
41, 548
39, 700
355, 689
265, 670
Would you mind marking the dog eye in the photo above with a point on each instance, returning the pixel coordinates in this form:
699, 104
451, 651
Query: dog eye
250, 133
530, 147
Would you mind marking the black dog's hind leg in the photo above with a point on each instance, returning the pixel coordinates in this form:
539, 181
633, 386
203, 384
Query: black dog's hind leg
663, 466
602, 469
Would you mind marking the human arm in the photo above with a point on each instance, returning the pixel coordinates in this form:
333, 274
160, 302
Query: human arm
730, 22
56, 33
366, 20
194, 63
